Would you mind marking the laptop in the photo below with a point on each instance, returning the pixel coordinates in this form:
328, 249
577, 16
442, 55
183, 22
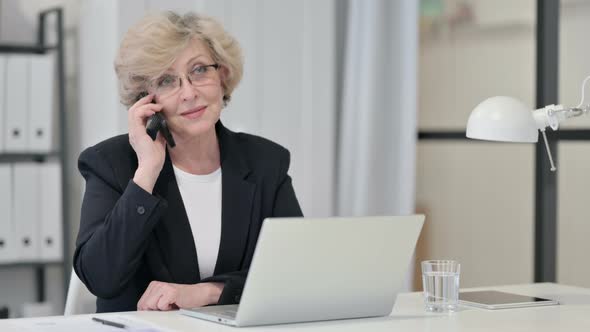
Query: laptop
316, 269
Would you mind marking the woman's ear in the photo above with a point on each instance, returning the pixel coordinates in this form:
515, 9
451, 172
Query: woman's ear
223, 73
223, 76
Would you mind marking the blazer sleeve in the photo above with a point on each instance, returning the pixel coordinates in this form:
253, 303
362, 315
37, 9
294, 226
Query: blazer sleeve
115, 224
285, 205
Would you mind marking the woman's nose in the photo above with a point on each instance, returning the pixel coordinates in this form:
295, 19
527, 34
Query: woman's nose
187, 91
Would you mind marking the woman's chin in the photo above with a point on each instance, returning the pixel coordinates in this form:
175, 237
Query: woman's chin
195, 129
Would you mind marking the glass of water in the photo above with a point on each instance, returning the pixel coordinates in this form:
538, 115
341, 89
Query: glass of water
440, 279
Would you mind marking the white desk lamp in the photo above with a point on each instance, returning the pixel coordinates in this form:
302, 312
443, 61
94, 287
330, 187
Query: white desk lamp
507, 119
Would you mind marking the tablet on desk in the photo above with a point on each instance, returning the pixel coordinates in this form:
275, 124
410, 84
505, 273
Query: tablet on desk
501, 300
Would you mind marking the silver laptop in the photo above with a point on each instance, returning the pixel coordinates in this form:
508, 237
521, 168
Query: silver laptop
308, 269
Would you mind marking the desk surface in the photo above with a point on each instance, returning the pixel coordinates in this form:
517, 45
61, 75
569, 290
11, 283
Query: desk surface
409, 315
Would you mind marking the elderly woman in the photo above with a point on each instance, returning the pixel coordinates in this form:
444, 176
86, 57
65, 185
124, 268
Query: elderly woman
167, 227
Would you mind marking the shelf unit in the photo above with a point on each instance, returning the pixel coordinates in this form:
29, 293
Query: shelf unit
42, 47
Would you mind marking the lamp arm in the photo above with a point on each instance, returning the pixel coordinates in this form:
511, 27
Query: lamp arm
552, 115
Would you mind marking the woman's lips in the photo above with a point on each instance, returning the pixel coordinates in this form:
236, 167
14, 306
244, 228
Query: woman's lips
194, 113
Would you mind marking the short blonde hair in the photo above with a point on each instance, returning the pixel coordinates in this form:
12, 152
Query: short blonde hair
150, 47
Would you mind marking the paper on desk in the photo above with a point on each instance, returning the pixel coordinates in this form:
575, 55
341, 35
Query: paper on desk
84, 323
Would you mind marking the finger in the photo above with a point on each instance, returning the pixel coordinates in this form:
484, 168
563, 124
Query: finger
146, 294
141, 302
143, 111
140, 116
165, 301
147, 100
138, 106
140, 119
144, 100
154, 107
151, 302
137, 125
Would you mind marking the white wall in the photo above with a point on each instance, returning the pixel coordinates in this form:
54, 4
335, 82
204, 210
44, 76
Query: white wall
573, 157
460, 67
478, 197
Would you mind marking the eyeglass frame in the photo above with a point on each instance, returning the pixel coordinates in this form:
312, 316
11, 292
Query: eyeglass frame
151, 84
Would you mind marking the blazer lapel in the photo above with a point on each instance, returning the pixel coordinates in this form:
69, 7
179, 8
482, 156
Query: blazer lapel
173, 232
175, 246
237, 195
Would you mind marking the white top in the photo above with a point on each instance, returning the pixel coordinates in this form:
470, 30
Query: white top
201, 195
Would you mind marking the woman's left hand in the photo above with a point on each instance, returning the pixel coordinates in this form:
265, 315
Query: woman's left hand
168, 296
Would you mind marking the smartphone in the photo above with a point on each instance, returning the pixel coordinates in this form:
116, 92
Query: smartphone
156, 123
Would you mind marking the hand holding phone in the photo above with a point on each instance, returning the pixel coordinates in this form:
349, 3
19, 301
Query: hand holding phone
150, 150
156, 123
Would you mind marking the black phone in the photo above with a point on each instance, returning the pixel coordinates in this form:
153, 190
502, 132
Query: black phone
156, 123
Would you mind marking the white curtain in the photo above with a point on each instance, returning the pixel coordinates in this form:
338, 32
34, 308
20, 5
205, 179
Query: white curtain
377, 136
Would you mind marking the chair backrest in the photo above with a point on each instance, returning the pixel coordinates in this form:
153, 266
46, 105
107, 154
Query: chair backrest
79, 299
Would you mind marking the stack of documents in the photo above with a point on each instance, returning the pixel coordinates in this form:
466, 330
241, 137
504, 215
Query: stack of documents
27, 103
31, 212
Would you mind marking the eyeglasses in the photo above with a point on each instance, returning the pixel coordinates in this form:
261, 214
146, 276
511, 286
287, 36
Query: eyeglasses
169, 84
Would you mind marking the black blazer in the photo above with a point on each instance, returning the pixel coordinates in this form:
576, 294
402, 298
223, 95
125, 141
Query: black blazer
128, 237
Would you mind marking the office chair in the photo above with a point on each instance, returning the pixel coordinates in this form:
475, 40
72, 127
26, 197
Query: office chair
79, 299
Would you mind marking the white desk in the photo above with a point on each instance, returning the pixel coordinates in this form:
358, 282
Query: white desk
409, 315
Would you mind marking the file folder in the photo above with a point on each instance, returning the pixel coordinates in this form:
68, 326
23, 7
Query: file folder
50, 218
26, 211
41, 129
6, 215
2, 100
17, 103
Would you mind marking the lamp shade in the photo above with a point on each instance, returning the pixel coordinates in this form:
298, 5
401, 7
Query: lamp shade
504, 119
